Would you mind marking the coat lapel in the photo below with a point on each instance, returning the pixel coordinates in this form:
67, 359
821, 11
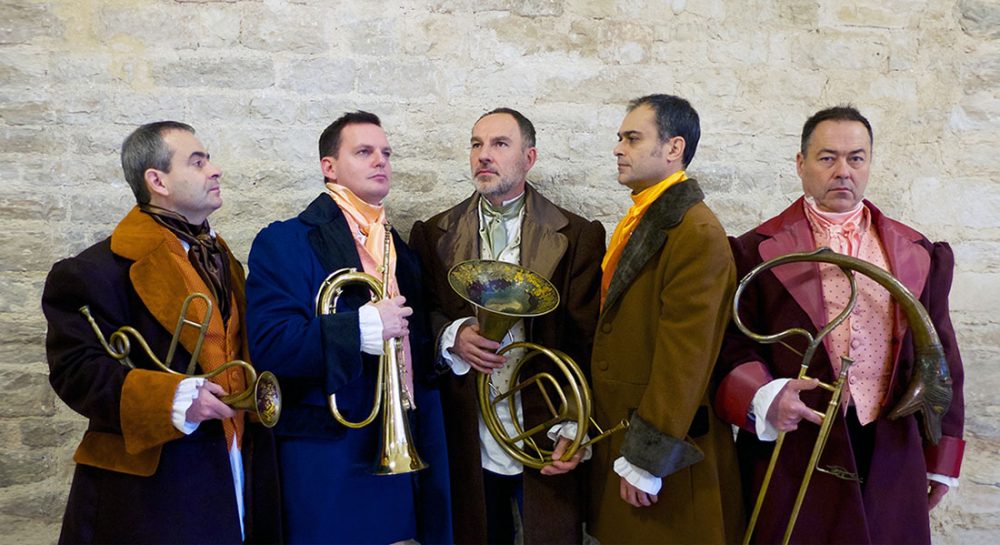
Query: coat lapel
158, 278
331, 240
790, 233
909, 262
651, 234
460, 241
542, 245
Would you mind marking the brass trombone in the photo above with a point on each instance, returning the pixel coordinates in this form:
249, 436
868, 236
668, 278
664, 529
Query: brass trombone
503, 293
929, 390
397, 454
262, 396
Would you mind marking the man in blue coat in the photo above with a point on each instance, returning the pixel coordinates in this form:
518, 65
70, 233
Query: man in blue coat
331, 494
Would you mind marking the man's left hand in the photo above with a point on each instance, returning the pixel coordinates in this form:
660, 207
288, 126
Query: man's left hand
635, 497
935, 493
558, 467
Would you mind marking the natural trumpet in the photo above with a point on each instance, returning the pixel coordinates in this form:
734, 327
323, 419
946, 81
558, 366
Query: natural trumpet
503, 293
262, 396
397, 454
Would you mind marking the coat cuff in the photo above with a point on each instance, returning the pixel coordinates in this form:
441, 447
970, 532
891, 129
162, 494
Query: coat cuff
146, 406
945, 458
735, 395
658, 453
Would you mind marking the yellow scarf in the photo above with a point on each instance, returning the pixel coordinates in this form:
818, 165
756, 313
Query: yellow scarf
370, 221
641, 202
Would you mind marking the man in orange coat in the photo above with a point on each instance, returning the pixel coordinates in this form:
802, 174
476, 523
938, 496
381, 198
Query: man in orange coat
163, 459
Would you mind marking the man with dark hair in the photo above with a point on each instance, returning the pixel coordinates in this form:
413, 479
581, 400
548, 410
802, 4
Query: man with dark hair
666, 293
888, 476
507, 219
331, 494
163, 459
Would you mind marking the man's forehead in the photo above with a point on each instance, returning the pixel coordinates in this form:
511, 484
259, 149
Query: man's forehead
367, 134
493, 125
832, 134
639, 119
183, 141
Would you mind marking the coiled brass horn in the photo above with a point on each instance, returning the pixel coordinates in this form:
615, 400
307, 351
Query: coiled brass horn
262, 396
929, 390
503, 293
397, 454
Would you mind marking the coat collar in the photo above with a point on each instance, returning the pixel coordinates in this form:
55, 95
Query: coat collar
158, 279
331, 239
789, 232
651, 234
542, 245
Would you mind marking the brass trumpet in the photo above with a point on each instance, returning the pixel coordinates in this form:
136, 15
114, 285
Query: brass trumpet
929, 390
503, 293
397, 454
262, 396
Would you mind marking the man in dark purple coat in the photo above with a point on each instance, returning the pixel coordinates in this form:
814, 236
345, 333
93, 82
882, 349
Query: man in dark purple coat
890, 475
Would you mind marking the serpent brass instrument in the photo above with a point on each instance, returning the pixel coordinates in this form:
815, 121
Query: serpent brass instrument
503, 293
929, 390
262, 396
397, 453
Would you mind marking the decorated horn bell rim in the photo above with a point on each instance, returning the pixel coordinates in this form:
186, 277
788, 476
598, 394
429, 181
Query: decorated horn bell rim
502, 293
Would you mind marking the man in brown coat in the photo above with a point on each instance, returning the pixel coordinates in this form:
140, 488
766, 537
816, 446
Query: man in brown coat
666, 291
507, 219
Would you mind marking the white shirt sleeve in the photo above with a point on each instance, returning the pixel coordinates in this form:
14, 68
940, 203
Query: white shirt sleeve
568, 430
952, 482
761, 403
448, 336
638, 477
184, 396
370, 324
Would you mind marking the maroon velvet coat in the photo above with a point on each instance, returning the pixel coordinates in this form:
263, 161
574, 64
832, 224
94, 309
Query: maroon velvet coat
567, 250
893, 506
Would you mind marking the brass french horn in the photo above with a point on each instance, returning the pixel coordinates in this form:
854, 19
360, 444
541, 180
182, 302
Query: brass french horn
929, 390
503, 293
262, 396
397, 454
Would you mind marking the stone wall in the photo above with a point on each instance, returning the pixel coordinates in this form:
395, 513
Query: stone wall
261, 78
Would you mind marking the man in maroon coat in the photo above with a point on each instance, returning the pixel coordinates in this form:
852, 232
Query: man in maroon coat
890, 476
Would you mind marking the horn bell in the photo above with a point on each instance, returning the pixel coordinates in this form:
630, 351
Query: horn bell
502, 293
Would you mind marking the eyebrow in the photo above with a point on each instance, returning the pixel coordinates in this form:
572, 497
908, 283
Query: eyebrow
627, 134
833, 151
199, 155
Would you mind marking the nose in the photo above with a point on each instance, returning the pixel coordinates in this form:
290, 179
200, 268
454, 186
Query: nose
618, 149
379, 159
215, 172
842, 168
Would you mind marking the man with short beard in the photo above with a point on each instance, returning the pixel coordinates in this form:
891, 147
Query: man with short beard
506, 219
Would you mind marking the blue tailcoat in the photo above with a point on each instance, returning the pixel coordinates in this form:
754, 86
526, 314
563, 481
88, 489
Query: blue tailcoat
330, 494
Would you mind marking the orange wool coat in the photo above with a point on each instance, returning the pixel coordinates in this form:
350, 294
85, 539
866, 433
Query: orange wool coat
135, 473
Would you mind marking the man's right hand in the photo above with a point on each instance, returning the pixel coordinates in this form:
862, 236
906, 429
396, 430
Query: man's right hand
787, 410
393, 312
207, 405
476, 350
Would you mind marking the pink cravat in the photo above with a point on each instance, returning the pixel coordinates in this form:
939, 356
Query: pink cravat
866, 336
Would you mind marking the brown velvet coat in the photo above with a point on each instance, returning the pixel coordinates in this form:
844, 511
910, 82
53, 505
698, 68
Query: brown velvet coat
654, 352
567, 250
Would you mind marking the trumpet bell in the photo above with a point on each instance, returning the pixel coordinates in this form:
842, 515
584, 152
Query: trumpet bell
267, 395
502, 293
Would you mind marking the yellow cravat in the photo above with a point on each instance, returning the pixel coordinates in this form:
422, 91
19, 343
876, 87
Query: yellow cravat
641, 202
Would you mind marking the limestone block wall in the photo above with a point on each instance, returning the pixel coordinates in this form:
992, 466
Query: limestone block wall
260, 79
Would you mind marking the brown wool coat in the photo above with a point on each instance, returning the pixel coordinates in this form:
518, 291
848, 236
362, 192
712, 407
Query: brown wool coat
654, 351
567, 250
